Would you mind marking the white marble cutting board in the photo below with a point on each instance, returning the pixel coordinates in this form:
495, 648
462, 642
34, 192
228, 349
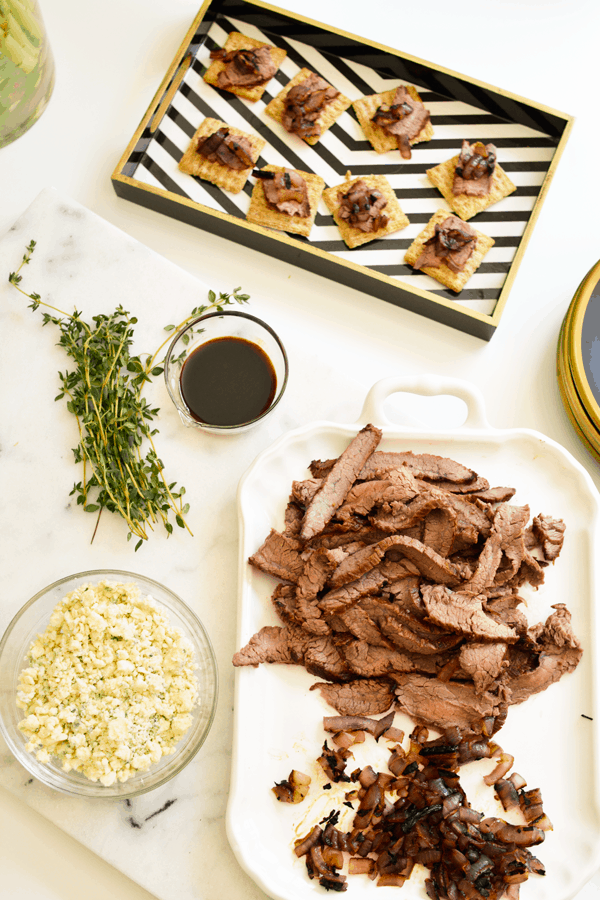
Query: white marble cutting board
164, 839
171, 841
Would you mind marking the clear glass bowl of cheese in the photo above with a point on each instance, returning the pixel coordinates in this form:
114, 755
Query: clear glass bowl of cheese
108, 684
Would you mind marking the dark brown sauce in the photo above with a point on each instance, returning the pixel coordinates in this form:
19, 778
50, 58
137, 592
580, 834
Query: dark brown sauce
228, 381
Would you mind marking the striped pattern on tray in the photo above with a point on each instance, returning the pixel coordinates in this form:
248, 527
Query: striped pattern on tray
524, 153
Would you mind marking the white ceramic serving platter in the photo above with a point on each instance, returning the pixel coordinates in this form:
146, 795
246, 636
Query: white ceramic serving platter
553, 736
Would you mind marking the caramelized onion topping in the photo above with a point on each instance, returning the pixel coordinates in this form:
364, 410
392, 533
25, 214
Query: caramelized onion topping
361, 207
224, 147
476, 161
286, 192
404, 119
303, 105
452, 243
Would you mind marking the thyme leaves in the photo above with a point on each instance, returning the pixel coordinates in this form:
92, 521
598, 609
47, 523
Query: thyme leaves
120, 472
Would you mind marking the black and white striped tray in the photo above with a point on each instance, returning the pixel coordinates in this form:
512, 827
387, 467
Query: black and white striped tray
528, 139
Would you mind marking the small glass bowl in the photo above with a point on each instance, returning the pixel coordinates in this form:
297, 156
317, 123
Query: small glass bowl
207, 328
33, 619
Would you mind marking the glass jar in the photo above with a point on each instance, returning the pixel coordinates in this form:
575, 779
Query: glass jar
26, 68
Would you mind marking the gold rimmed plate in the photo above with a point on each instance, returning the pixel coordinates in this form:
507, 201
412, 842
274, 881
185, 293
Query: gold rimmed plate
582, 343
581, 422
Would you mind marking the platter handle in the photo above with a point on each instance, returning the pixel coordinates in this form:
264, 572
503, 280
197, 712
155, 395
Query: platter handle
428, 386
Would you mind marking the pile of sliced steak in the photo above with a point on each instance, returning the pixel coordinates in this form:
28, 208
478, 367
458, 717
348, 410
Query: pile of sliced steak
398, 585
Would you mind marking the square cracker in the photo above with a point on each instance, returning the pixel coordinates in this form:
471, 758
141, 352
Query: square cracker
260, 213
330, 113
380, 140
442, 177
238, 41
453, 280
193, 163
354, 237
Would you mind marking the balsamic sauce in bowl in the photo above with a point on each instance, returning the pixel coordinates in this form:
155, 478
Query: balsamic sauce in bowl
228, 381
225, 371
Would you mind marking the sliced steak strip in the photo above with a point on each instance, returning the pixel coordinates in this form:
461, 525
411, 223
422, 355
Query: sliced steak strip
487, 566
407, 628
430, 564
458, 611
362, 697
369, 661
332, 537
493, 495
428, 641
318, 566
273, 644
504, 609
368, 494
342, 598
422, 465
284, 603
552, 664
404, 515
440, 530
483, 662
322, 657
478, 485
551, 534
510, 522
293, 519
320, 468
432, 702
529, 572
558, 631
279, 556
471, 519
292, 645
304, 491
405, 591
359, 623
504, 543
338, 482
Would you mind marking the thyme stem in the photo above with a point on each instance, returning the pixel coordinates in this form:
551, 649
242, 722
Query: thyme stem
104, 393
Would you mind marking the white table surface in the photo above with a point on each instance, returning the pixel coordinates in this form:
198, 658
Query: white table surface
110, 59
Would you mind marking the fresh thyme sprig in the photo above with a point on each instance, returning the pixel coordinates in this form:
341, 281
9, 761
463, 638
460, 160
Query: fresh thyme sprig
103, 392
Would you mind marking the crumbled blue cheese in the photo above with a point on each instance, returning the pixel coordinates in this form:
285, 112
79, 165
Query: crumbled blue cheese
111, 684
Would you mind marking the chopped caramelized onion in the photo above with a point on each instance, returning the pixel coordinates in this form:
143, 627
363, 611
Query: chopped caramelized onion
531, 805
390, 881
418, 814
450, 803
518, 781
367, 777
333, 857
544, 823
294, 790
327, 875
522, 835
345, 739
506, 761
394, 734
359, 866
333, 763
507, 794
309, 841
